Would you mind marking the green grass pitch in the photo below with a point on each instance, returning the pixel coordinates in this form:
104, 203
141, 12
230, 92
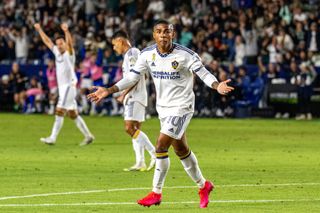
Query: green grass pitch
257, 166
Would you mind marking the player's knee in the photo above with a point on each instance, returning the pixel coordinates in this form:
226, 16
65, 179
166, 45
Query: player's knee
160, 148
73, 114
130, 129
181, 152
60, 112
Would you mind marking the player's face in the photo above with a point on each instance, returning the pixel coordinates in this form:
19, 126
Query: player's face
118, 45
163, 34
61, 44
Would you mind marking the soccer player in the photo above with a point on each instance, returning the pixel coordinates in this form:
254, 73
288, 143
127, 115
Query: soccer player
67, 81
134, 100
172, 67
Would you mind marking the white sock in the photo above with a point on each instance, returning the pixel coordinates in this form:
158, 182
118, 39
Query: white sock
51, 109
93, 108
160, 172
143, 139
190, 164
82, 126
139, 151
56, 127
84, 102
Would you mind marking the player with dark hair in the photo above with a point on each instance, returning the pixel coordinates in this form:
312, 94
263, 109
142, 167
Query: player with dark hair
134, 100
67, 81
172, 67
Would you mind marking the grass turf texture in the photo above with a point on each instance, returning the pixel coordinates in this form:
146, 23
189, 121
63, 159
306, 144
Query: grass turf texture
229, 152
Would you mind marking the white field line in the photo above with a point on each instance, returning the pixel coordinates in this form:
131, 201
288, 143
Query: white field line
133, 203
147, 188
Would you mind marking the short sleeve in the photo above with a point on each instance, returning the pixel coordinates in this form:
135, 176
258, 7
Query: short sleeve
55, 50
133, 57
141, 65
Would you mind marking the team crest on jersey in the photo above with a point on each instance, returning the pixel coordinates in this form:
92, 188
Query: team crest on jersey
153, 59
175, 64
132, 61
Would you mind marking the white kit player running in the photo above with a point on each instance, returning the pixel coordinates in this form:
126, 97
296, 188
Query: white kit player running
172, 67
67, 80
134, 100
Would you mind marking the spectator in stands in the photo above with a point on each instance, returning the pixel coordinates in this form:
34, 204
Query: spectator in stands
285, 41
251, 44
223, 103
157, 8
6, 94
274, 51
96, 73
299, 34
242, 84
34, 97
232, 72
52, 86
226, 31
313, 38
239, 51
21, 44
304, 82
18, 81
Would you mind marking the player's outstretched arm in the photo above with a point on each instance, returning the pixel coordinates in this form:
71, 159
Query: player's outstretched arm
46, 40
99, 93
222, 87
68, 36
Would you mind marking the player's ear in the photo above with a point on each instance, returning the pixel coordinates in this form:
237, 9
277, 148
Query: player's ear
153, 35
174, 34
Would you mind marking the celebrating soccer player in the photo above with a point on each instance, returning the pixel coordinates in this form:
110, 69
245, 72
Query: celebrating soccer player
134, 100
67, 80
172, 67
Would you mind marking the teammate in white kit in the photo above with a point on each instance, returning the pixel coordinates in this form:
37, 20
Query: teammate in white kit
172, 67
67, 81
134, 100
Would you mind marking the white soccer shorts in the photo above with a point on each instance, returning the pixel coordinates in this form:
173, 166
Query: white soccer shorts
134, 111
175, 126
67, 98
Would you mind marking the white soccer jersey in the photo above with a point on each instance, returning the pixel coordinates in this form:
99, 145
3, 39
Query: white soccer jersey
172, 74
139, 92
65, 64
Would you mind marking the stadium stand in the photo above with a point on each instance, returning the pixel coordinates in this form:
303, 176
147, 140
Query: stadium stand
270, 49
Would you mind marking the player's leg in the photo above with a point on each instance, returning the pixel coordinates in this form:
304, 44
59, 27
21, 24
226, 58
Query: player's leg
52, 99
82, 126
70, 103
139, 112
135, 115
188, 160
131, 128
59, 117
144, 140
161, 169
191, 166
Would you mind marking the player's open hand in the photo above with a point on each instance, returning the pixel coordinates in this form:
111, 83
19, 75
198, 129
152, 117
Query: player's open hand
37, 26
223, 87
97, 94
64, 27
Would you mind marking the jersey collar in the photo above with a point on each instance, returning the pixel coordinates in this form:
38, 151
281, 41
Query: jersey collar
166, 54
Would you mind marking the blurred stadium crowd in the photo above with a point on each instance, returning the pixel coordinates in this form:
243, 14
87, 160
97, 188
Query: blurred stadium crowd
255, 43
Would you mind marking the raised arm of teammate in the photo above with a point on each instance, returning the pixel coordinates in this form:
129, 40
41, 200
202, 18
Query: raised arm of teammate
46, 40
68, 38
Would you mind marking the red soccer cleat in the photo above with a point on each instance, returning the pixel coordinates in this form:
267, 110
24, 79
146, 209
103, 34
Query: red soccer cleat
204, 194
151, 199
